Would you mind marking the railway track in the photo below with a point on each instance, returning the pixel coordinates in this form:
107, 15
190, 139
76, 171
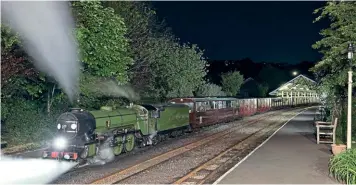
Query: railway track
185, 167
205, 173
130, 172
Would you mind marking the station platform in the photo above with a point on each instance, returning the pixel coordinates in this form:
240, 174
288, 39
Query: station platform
291, 156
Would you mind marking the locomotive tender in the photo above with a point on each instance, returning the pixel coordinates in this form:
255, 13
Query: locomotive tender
83, 135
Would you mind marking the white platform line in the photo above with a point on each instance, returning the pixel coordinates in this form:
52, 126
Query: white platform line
264, 142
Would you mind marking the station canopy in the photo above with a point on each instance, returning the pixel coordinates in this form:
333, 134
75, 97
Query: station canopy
300, 85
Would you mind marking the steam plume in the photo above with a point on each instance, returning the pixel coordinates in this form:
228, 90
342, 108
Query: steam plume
46, 29
111, 88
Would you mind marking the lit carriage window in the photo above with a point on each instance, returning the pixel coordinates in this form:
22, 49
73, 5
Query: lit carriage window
219, 104
200, 106
207, 106
197, 106
224, 104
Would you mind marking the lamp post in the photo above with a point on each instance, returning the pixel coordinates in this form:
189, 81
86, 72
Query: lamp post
295, 73
350, 56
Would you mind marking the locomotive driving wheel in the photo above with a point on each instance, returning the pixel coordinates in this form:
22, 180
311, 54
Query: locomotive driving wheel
130, 142
119, 148
156, 139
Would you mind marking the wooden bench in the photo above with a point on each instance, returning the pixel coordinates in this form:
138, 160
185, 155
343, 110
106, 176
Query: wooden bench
327, 130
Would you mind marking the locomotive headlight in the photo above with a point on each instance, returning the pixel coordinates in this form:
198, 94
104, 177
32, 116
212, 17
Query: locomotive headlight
73, 126
59, 126
60, 143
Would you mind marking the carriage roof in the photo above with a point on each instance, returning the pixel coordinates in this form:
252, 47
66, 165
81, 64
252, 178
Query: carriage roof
206, 99
160, 106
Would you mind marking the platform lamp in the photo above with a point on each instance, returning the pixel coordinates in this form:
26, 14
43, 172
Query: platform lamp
350, 56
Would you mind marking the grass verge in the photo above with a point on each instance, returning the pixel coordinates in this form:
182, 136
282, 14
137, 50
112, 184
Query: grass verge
21, 148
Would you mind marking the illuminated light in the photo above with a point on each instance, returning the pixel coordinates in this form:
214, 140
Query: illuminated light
59, 126
350, 54
66, 156
75, 156
73, 126
60, 143
54, 154
45, 155
295, 73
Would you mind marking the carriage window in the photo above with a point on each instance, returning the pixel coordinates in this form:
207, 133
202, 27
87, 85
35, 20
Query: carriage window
234, 104
224, 104
202, 106
207, 106
213, 105
228, 104
219, 105
199, 106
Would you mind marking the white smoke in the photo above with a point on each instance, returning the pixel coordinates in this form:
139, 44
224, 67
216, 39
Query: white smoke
113, 89
151, 136
105, 155
46, 28
31, 171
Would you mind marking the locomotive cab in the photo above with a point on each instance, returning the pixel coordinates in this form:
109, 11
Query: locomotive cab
155, 114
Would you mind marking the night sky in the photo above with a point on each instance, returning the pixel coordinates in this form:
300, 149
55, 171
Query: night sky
261, 31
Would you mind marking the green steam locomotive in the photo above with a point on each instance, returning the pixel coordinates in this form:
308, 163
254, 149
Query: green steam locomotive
101, 134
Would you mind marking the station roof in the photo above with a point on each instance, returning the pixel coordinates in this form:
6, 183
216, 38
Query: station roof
300, 83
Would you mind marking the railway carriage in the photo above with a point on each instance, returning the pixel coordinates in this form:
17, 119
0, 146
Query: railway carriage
263, 105
248, 107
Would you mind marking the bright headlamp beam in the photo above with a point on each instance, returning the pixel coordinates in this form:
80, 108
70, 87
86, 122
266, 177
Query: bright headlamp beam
60, 143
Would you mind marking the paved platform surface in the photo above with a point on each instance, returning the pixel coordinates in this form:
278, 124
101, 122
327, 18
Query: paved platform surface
291, 156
